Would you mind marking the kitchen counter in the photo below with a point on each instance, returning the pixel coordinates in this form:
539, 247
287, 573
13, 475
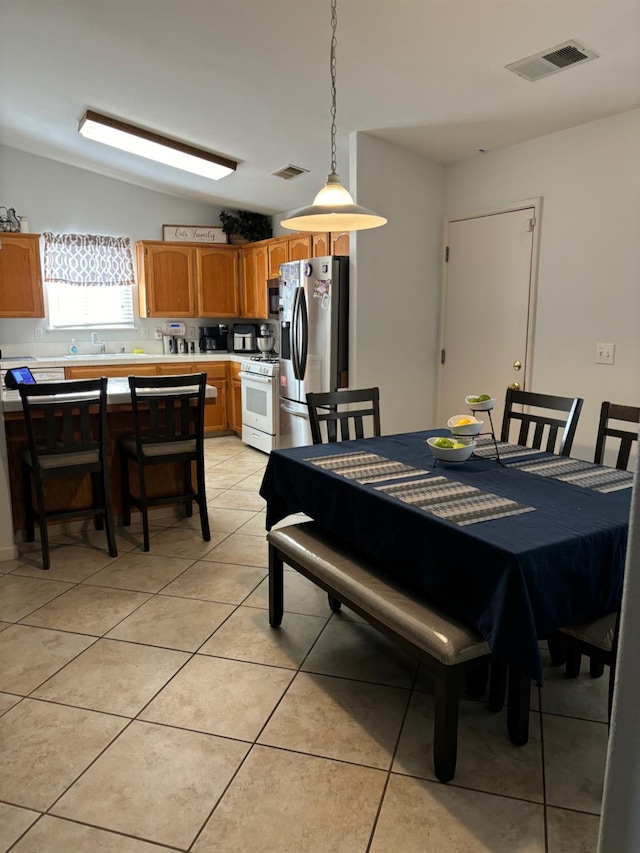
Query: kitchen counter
95, 359
118, 393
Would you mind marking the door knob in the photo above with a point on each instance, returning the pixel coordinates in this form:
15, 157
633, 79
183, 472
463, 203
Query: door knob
517, 365
515, 386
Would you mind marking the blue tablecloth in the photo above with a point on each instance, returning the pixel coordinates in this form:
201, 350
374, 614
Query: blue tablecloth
514, 578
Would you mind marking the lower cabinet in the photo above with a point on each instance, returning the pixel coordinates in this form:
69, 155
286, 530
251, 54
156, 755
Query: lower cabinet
111, 370
235, 407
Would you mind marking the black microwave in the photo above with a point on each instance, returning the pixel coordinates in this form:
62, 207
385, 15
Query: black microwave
273, 298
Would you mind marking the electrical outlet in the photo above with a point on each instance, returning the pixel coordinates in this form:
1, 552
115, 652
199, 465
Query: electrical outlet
144, 332
191, 333
157, 331
38, 333
605, 353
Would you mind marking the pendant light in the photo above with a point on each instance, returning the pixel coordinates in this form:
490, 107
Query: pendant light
333, 208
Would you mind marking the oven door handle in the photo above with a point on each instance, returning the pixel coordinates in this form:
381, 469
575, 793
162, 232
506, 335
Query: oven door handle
254, 377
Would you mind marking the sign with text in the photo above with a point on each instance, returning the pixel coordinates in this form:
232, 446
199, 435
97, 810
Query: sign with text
193, 234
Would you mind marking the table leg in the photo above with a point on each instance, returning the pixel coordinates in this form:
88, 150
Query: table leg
518, 710
276, 588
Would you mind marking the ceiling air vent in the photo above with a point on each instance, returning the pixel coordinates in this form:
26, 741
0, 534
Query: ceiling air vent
289, 172
551, 61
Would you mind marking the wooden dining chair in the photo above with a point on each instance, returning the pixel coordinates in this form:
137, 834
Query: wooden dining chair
541, 420
335, 409
342, 422
598, 639
168, 419
616, 412
66, 425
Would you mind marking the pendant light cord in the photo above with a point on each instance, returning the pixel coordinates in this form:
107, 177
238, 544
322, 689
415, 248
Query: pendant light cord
334, 25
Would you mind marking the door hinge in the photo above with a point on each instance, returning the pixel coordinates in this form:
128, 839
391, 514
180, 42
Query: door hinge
446, 255
532, 223
443, 355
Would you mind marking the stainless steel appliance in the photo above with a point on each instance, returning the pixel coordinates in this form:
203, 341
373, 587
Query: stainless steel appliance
214, 338
259, 378
273, 298
266, 339
244, 337
314, 344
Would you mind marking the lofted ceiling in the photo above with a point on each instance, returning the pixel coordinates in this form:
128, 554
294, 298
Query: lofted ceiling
249, 79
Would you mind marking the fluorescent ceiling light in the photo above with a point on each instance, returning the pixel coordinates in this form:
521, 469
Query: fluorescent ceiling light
151, 145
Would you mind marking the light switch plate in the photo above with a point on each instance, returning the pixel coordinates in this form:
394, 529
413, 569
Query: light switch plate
191, 333
157, 331
605, 353
38, 333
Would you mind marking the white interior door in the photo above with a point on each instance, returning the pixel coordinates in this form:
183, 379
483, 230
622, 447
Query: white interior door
487, 310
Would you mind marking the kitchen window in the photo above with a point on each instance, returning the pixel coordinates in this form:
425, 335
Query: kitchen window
89, 281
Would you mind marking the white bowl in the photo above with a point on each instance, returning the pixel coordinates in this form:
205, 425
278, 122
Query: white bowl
484, 406
458, 454
464, 429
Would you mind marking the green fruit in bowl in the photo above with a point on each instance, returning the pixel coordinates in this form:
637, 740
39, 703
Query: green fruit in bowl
443, 442
482, 398
476, 399
458, 445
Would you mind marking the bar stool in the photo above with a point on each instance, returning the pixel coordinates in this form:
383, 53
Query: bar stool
172, 408
66, 424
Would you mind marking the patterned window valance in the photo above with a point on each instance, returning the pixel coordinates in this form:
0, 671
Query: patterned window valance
88, 260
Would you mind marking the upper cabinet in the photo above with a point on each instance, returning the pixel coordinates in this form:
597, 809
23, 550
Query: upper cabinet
183, 280
253, 292
300, 247
320, 245
339, 243
277, 253
20, 276
217, 282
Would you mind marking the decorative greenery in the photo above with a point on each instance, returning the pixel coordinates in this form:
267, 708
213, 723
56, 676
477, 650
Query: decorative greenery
251, 226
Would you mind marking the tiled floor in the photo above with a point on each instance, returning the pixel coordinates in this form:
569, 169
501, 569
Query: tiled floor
146, 704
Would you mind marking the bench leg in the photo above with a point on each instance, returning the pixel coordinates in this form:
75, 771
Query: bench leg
334, 603
276, 588
596, 668
497, 686
557, 650
445, 741
518, 710
574, 662
477, 681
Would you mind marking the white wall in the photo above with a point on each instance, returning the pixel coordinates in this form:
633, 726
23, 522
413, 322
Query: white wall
395, 281
589, 282
61, 198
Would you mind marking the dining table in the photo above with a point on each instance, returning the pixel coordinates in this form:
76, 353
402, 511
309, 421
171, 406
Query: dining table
514, 542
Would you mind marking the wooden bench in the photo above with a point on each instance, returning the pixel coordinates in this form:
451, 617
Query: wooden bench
446, 646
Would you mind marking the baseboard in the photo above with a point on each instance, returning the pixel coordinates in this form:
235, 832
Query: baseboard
9, 552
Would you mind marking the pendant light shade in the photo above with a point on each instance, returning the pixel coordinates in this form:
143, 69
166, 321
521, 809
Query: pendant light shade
333, 208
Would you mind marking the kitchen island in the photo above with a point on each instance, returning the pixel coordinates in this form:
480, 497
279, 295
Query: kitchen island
75, 492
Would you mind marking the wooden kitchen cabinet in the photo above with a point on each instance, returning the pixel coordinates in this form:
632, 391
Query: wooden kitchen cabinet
320, 245
217, 280
91, 372
300, 247
166, 279
21, 276
215, 411
235, 398
184, 280
277, 253
340, 243
253, 293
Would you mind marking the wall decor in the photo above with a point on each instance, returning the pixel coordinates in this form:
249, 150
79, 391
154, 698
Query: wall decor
193, 234
8, 219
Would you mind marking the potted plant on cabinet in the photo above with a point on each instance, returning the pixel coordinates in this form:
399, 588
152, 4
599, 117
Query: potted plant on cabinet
245, 226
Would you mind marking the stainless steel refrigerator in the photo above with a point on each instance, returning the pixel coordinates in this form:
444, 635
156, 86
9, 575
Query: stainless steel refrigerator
314, 339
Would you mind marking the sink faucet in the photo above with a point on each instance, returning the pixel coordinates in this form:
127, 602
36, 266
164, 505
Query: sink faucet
97, 343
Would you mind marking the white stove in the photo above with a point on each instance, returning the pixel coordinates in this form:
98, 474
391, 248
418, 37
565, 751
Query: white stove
260, 400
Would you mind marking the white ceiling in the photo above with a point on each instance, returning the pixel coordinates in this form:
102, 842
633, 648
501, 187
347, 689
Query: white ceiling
249, 79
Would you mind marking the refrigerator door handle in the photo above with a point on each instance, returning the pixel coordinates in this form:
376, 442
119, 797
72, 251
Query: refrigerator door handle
296, 336
304, 333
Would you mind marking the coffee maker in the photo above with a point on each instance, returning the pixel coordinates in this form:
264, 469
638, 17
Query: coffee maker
214, 338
